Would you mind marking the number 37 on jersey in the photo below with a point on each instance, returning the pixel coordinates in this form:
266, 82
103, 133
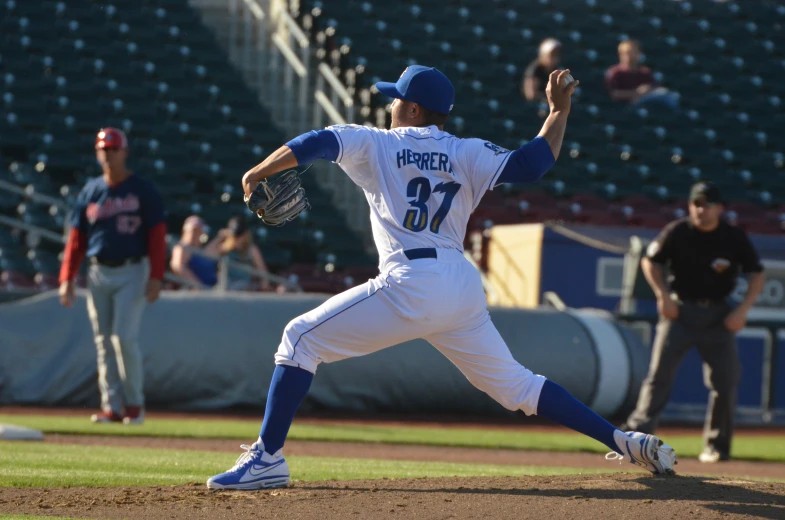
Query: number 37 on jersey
419, 191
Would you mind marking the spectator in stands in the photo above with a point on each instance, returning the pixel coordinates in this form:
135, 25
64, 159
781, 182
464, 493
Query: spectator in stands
535, 78
630, 82
240, 249
189, 260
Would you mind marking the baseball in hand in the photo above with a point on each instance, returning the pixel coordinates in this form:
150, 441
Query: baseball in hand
567, 79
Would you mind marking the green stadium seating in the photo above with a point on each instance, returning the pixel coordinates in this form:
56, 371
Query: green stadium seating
152, 68
724, 58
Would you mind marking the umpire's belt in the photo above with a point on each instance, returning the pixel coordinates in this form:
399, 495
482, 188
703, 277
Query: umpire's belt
422, 252
702, 302
106, 262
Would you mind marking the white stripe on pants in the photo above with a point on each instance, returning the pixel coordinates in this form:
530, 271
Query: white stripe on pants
440, 300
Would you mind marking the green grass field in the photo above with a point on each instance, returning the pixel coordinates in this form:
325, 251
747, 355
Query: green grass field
766, 448
31, 464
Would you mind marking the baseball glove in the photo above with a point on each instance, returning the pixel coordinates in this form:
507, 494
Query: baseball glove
279, 200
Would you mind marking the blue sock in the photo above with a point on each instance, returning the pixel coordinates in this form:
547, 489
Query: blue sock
287, 390
558, 405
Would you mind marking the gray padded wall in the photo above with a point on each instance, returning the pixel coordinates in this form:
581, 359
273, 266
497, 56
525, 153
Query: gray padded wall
204, 350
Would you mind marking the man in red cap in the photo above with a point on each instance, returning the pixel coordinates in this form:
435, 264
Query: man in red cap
119, 224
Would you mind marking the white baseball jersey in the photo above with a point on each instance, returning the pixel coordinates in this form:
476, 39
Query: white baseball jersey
421, 183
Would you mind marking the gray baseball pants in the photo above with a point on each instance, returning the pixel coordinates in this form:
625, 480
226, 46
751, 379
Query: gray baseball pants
115, 306
702, 327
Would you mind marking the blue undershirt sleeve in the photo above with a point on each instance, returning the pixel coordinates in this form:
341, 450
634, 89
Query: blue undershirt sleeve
528, 163
316, 144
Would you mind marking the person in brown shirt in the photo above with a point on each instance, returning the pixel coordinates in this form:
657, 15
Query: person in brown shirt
633, 83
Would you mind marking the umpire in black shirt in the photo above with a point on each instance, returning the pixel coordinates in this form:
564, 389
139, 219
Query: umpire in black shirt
704, 255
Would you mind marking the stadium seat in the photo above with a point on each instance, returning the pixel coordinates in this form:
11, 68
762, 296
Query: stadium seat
694, 50
153, 69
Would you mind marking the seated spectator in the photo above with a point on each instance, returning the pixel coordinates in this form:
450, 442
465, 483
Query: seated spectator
187, 262
633, 83
535, 78
239, 248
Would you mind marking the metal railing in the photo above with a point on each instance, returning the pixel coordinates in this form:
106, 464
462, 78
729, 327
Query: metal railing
30, 228
223, 263
552, 299
276, 58
60, 239
31, 194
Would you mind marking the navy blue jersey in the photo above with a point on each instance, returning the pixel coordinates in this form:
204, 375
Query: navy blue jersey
117, 219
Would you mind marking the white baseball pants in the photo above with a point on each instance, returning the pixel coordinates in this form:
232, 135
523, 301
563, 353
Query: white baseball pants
440, 300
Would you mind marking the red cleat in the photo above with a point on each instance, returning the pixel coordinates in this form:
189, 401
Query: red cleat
106, 417
134, 415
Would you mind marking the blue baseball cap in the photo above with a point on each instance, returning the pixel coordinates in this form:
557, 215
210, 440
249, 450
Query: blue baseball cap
426, 86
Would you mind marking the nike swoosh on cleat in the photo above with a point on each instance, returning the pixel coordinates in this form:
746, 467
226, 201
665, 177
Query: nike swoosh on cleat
646, 449
653, 451
262, 470
635, 461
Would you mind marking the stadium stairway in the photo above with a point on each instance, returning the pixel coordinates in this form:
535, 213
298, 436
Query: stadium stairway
153, 69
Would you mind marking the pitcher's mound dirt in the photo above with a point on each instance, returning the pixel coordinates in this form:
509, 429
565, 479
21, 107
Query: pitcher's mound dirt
613, 496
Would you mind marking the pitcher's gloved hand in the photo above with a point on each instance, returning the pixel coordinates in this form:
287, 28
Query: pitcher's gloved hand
278, 200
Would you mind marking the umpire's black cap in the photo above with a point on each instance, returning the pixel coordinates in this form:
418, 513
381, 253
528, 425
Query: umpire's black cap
707, 192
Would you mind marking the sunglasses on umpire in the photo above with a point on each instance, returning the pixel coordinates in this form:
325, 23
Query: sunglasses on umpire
700, 203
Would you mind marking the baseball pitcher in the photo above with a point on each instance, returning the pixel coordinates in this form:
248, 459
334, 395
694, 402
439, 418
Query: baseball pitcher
118, 223
421, 184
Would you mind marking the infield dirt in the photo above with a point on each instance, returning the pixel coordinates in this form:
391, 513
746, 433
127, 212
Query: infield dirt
617, 495
611, 496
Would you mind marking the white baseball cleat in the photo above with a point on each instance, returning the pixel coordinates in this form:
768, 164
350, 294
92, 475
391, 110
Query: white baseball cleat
711, 456
644, 450
255, 469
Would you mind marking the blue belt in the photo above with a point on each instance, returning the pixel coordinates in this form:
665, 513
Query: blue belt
422, 252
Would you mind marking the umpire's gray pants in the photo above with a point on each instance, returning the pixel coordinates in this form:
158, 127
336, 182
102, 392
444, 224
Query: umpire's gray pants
702, 327
115, 306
